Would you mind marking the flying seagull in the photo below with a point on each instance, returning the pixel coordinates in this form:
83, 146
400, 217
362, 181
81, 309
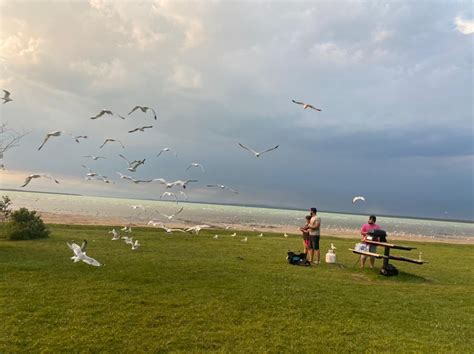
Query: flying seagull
142, 129
80, 254
102, 112
170, 217
143, 109
221, 186
166, 149
135, 245
257, 154
95, 158
6, 97
115, 234
306, 105
107, 140
195, 164
355, 199
76, 138
169, 194
196, 228
90, 173
30, 177
175, 183
132, 165
136, 181
49, 135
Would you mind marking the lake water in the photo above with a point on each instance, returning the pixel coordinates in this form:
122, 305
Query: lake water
228, 214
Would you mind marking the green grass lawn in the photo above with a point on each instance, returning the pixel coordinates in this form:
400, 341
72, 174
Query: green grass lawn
182, 292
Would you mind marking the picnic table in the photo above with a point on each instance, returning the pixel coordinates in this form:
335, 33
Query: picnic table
387, 268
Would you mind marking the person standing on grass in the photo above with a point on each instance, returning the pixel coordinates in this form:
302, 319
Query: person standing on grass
314, 235
371, 225
305, 231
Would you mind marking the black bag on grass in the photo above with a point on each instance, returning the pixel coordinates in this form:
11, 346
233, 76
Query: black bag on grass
297, 259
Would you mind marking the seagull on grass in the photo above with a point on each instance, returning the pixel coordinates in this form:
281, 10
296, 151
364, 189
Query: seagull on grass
139, 206
233, 235
144, 109
102, 112
30, 177
244, 239
216, 237
170, 217
257, 154
142, 129
128, 240
285, 235
80, 254
261, 235
49, 135
127, 229
6, 97
110, 140
355, 199
306, 105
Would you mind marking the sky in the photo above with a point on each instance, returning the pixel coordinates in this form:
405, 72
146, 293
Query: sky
394, 81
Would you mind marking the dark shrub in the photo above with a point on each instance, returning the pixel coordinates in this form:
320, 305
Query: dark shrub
25, 225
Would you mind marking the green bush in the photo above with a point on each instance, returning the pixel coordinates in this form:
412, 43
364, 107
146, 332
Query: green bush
25, 225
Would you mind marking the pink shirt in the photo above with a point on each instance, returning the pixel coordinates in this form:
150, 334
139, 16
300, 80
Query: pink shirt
366, 228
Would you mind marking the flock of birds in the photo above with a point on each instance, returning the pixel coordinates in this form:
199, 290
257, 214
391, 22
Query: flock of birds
132, 166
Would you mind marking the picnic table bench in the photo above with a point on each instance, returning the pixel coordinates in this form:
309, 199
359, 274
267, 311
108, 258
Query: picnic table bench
386, 256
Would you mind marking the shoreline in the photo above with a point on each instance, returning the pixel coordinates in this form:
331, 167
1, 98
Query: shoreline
75, 219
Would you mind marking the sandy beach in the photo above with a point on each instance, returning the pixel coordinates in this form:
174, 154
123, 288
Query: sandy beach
75, 219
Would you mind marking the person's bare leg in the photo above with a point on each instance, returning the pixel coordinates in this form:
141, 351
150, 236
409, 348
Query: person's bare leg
311, 253
362, 261
372, 262
318, 256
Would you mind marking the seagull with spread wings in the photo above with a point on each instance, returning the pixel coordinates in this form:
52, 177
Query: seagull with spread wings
110, 140
142, 129
115, 235
257, 154
30, 177
49, 135
175, 183
6, 97
221, 186
170, 194
144, 109
355, 199
166, 149
95, 158
196, 228
136, 181
195, 164
80, 254
102, 112
76, 138
132, 165
170, 217
306, 105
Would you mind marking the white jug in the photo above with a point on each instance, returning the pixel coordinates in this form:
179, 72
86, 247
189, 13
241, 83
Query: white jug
330, 257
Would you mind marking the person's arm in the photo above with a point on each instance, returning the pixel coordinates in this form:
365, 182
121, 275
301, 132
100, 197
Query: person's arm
363, 232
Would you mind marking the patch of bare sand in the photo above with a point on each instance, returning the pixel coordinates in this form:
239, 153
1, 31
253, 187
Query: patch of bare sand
74, 219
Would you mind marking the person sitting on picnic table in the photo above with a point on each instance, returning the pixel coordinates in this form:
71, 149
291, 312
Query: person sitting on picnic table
371, 225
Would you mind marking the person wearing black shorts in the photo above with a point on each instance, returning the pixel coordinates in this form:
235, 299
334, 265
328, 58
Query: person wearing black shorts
314, 236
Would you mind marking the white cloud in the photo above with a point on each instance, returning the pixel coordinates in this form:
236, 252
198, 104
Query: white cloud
464, 26
186, 77
102, 75
20, 47
332, 53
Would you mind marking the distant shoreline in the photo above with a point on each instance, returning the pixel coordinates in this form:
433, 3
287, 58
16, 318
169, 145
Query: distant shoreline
249, 206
